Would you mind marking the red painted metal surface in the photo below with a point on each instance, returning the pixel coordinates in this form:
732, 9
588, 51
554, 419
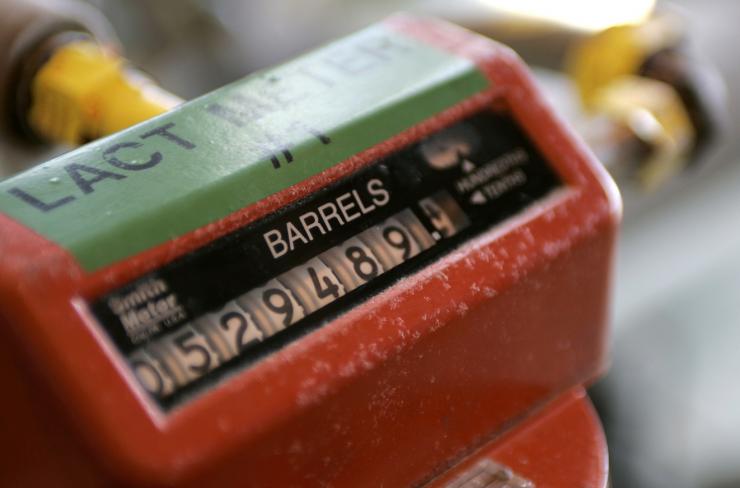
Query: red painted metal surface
391, 393
560, 446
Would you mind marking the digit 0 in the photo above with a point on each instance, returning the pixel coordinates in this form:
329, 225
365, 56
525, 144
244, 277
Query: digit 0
150, 374
149, 377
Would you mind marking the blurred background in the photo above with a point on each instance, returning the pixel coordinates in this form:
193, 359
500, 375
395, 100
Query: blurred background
666, 127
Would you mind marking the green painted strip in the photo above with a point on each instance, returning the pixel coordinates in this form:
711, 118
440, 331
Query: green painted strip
143, 186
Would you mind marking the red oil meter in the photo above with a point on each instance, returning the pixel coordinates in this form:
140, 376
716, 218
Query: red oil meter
385, 263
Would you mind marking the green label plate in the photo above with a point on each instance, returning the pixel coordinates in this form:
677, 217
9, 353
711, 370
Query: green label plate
131, 191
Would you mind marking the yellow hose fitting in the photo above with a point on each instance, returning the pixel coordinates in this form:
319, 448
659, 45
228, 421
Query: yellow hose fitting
652, 112
619, 51
85, 91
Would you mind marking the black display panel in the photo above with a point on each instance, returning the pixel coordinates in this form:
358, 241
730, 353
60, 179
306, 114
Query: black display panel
222, 307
